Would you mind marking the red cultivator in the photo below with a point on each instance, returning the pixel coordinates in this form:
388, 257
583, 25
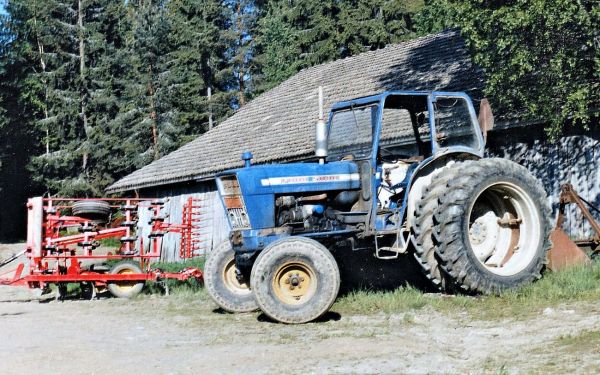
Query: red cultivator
64, 245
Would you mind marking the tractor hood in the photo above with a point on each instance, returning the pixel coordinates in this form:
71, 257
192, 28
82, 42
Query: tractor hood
297, 177
258, 185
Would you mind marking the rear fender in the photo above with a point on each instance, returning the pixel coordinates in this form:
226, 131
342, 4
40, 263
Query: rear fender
423, 175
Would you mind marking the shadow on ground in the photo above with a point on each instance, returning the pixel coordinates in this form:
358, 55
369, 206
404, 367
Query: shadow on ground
329, 316
360, 270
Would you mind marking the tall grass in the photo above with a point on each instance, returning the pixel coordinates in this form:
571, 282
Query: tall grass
189, 287
575, 284
555, 288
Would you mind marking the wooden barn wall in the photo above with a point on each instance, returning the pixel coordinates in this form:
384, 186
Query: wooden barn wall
214, 225
574, 159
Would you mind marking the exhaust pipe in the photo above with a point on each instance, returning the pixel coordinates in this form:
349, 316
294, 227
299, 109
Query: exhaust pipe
321, 132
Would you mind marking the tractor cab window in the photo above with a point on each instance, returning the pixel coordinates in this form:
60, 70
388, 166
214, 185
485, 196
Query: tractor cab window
405, 139
351, 132
453, 123
405, 129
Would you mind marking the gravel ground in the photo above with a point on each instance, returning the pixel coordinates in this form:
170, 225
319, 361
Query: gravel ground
185, 333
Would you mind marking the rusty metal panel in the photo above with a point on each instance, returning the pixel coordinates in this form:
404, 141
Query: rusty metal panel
564, 253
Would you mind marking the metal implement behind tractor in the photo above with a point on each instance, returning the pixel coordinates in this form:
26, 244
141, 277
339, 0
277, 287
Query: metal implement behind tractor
398, 173
566, 252
63, 240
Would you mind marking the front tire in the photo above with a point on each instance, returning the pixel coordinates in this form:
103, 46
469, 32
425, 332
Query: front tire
295, 280
222, 284
491, 227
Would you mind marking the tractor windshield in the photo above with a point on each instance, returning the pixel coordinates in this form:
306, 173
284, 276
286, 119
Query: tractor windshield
453, 123
351, 132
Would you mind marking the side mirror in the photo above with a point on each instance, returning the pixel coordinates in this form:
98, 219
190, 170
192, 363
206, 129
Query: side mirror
486, 117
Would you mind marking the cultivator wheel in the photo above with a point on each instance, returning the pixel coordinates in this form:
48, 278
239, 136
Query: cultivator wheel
88, 290
125, 288
491, 228
97, 211
295, 280
222, 282
61, 292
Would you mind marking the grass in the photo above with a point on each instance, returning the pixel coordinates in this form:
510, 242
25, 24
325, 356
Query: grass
188, 287
583, 341
110, 242
574, 353
576, 284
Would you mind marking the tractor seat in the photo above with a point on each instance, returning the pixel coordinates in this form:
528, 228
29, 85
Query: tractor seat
404, 183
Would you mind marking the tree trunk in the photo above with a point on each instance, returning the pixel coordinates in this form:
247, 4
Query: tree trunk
153, 115
210, 115
240, 75
40, 47
82, 95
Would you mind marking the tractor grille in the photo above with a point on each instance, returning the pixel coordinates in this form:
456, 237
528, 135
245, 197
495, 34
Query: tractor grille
234, 202
238, 218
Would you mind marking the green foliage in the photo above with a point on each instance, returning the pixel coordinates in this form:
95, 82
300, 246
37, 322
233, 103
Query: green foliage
297, 34
541, 58
196, 63
91, 90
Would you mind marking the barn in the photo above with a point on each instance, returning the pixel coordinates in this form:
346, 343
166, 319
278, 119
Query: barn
278, 127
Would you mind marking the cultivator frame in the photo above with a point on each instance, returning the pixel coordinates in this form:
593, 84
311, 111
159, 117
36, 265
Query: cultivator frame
57, 256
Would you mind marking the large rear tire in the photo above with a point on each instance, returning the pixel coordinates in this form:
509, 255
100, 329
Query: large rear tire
422, 228
491, 227
295, 280
222, 284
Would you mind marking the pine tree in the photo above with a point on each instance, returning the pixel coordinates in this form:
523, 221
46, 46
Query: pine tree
277, 49
17, 140
197, 64
372, 24
53, 88
145, 111
241, 35
298, 34
70, 87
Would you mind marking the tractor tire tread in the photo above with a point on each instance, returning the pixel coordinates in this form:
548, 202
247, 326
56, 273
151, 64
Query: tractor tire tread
450, 250
326, 268
229, 301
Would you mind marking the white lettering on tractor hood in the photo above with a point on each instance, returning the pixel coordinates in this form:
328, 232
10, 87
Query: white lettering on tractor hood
309, 179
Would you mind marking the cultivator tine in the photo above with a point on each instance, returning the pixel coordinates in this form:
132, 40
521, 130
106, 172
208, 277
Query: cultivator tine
192, 218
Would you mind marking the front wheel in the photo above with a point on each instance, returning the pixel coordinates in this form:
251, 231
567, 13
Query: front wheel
223, 284
295, 280
491, 227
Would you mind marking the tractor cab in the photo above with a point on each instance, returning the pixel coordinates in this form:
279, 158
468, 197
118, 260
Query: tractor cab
392, 136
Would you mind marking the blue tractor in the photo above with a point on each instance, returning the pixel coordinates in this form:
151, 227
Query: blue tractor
400, 172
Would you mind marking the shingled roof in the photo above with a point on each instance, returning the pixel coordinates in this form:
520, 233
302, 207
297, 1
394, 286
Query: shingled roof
278, 126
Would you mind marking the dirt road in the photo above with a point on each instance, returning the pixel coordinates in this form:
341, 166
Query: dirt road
184, 334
